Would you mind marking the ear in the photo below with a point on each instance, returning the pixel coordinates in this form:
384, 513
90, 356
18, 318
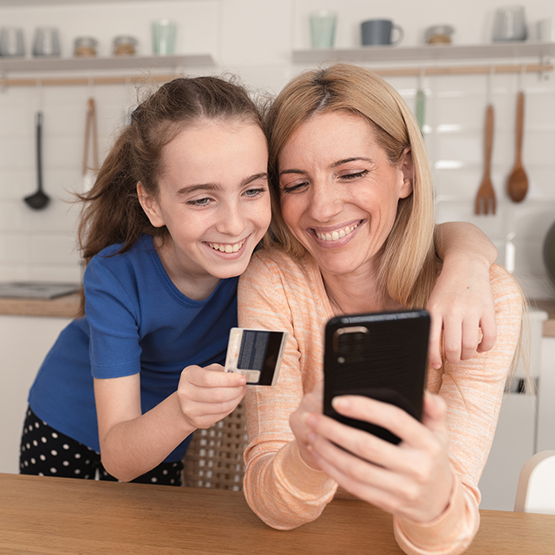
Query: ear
150, 206
407, 169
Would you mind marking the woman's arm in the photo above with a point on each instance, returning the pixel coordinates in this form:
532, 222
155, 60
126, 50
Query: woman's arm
462, 302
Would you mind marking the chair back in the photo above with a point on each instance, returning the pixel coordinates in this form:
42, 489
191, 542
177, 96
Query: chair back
536, 485
215, 455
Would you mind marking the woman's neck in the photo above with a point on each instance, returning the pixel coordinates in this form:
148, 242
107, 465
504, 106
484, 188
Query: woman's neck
356, 294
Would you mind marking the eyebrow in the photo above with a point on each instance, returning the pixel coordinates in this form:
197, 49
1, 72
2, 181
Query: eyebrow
334, 165
188, 189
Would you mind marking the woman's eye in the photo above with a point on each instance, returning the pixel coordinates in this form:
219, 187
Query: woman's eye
356, 175
294, 187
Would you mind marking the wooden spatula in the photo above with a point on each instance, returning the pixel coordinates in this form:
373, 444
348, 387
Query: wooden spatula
486, 194
517, 184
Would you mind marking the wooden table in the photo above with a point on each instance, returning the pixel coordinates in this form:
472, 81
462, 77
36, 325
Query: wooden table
56, 516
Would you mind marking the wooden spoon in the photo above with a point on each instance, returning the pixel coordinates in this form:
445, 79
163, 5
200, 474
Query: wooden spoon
486, 193
517, 184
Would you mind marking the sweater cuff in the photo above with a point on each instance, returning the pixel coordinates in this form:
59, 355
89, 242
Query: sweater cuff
450, 532
304, 479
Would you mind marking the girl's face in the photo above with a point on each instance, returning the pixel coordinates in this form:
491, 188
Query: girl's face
339, 192
213, 198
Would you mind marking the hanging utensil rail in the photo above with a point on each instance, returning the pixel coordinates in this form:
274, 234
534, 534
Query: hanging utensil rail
384, 72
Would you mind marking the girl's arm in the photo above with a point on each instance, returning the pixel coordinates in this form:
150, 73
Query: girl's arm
462, 301
132, 443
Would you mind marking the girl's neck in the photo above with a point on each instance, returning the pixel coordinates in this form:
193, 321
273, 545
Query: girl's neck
196, 287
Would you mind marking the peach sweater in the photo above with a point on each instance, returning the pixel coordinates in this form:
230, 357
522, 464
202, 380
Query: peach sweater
278, 293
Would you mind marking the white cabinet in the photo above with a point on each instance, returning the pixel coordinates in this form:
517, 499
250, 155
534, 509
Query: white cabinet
24, 342
522, 426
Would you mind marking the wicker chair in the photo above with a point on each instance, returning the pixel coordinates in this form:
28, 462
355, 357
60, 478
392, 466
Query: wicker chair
215, 456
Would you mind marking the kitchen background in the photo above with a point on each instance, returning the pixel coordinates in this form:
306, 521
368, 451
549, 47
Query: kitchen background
264, 42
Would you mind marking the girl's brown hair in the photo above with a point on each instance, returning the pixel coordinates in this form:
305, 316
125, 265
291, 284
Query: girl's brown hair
408, 265
112, 212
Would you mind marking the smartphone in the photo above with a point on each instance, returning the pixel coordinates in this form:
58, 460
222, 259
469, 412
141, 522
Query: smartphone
256, 354
379, 355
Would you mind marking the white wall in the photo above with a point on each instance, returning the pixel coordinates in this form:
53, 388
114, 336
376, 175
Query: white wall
255, 38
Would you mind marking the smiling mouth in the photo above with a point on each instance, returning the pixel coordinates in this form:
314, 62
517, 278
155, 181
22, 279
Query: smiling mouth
337, 234
226, 247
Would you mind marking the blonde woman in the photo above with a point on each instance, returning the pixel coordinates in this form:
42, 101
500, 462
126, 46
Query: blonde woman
353, 231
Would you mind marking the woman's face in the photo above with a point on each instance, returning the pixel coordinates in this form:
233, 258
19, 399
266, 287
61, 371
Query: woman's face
339, 192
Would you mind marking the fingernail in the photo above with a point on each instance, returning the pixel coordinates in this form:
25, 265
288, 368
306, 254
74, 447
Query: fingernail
340, 403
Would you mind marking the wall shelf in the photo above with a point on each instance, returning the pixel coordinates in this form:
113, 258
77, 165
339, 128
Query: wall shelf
8, 65
426, 53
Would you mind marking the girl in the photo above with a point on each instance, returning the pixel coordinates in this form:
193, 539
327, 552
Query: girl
177, 210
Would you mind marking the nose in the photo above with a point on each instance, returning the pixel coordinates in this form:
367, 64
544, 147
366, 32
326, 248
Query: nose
324, 201
232, 220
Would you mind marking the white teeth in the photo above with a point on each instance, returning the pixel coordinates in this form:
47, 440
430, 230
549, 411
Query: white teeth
226, 247
335, 235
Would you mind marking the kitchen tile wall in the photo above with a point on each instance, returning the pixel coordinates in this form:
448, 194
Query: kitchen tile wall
255, 38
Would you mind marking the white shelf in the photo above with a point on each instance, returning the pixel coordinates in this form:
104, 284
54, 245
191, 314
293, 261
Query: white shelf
8, 65
426, 53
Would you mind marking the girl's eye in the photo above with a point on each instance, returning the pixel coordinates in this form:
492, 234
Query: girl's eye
356, 175
199, 202
254, 193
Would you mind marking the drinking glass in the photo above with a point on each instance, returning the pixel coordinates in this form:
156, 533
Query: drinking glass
163, 37
322, 29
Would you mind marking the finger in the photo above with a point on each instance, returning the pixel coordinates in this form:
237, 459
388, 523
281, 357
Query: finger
434, 412
434, 346
470, 333
203, 377
452, 339
489, 332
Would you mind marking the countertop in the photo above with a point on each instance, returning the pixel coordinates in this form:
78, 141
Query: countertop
67, 307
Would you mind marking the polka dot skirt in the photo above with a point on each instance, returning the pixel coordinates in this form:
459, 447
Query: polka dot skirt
46, 452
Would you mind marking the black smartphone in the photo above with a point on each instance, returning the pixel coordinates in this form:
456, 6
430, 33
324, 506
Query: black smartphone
379, 355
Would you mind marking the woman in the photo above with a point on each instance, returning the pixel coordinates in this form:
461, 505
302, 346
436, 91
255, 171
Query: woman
353, 232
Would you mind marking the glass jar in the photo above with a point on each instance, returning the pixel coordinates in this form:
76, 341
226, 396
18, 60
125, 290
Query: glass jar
85, 47
125, 46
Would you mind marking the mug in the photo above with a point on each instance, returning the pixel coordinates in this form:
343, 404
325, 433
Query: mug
509, 24
46, 43
546, 29
12, 44
380, 31
163, 37
322, 29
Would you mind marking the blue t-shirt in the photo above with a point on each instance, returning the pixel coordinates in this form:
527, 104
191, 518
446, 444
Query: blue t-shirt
137, 321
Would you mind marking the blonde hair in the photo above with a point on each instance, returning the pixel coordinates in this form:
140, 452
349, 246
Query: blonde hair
408, 263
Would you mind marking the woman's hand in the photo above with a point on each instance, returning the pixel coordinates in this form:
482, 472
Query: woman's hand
411, 480
206, 395
311, 403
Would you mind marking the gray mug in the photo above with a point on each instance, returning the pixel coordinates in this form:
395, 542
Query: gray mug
379, 32
46, 43
12, 44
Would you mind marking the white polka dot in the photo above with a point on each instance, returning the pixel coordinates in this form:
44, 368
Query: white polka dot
37, 425
54, 452
23, 448
33, 461
42, 458
154, 479
77, 471
28, 446
26, 463
65, 463
35, 442
43, 439
41, 474
54, 435
65, 446
164, 472
86, 476
44, 423
172, 481
87, 461
53, 470
77, 455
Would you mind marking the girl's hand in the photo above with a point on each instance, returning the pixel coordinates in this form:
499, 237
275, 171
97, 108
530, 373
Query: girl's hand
411, 480
206, 395
460, 304
311, 403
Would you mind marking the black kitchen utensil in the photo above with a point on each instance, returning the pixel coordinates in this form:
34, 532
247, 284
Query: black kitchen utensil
38, 200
